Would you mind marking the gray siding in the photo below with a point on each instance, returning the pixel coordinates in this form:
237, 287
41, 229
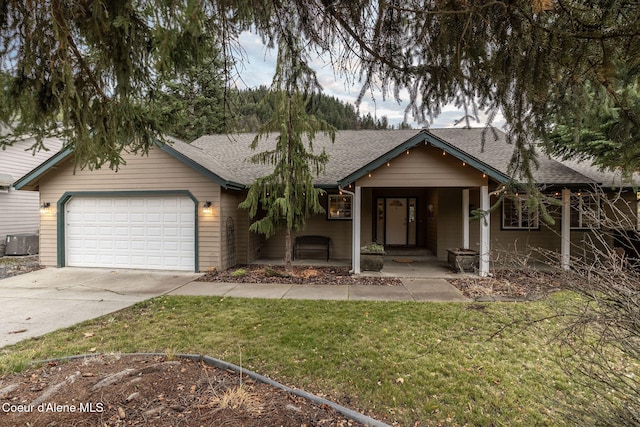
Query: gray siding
19, 210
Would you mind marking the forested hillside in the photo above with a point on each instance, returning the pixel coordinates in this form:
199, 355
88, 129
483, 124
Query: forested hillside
253, 107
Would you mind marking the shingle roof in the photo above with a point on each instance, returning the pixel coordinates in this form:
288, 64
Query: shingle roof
606, 178
226, 159
229, 155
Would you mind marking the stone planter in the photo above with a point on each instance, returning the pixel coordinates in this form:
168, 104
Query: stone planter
371, 262
463, 260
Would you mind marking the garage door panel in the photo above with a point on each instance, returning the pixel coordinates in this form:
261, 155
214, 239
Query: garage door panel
131, 232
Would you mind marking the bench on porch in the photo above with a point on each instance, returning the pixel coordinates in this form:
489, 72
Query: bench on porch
311, 244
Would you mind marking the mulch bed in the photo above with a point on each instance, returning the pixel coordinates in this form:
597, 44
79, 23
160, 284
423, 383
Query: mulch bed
134, 391
300, 276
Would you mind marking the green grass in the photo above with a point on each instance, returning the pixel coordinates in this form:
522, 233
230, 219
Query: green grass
440, 364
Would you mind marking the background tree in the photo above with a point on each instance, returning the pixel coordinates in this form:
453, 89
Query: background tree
287, 196
86, 71
610, 141
193, 102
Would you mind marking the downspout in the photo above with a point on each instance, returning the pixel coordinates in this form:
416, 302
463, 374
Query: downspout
354, 247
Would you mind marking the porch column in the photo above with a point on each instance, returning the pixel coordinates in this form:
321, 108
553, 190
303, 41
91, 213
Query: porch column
565, 245
485, 226
355, 222
465, 218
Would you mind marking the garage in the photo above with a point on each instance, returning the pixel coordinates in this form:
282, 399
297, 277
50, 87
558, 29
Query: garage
146, 232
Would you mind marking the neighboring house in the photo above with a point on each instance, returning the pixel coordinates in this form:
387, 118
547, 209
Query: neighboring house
19, 209
177, 208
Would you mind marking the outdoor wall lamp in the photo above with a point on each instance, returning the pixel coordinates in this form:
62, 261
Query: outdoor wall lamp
206, 207
45, 207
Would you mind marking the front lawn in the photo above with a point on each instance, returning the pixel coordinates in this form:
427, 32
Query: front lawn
408, 363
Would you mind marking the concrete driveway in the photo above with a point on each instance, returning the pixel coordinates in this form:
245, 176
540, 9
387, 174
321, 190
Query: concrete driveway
42, 301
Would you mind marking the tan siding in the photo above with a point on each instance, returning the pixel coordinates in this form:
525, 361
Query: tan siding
449, 219
424, 167
367, 215
338, 230
431, 221
229, 208
155, 172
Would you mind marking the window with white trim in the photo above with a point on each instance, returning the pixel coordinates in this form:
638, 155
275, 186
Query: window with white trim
585, 210
518, 214
339, 206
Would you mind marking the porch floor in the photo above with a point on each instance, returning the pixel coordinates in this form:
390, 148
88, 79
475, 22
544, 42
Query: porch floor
408, 263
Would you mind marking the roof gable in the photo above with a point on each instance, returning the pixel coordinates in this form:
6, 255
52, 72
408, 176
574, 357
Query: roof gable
177, 149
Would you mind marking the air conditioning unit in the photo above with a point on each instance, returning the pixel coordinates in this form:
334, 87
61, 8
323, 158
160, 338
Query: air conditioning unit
22, 244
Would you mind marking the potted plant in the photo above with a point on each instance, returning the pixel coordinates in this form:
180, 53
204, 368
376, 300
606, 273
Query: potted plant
371, 257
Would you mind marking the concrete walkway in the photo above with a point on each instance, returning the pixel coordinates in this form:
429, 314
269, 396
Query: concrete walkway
42, 301
412, 289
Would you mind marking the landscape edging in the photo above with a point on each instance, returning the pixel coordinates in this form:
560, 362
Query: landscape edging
211, 361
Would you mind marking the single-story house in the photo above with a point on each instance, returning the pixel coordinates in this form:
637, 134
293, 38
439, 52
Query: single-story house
177, 208
19, 209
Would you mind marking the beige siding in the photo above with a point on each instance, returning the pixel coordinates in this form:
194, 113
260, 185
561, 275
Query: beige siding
431, 221
449, 220
424, 167
367, 216
239, 218
155, 172
338, 230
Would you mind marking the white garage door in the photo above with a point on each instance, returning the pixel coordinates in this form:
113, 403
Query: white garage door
131, 232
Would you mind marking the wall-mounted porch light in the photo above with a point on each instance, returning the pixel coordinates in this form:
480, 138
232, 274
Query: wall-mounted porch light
45, 207
207, 207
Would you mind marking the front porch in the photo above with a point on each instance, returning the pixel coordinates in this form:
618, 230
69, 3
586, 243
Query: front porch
400, 263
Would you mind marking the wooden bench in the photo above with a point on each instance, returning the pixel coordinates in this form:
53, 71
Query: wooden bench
311, 244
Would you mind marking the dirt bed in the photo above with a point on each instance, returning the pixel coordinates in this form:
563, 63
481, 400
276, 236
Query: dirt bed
13, 266
151, 391
508, 285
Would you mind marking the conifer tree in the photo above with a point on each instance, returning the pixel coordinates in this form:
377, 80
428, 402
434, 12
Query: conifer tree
86, 69
287, 196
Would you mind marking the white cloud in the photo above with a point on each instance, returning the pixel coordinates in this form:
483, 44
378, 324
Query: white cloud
258, 64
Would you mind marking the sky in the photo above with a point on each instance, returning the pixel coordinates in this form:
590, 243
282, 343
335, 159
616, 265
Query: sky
259, 66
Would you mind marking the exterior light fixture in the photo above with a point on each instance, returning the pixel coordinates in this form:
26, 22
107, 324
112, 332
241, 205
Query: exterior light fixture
45, 207
207, 208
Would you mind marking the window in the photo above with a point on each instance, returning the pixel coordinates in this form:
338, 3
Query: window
339, 206
518, 215
585, 210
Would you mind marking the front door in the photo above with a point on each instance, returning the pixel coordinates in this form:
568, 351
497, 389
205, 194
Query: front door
396, 221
